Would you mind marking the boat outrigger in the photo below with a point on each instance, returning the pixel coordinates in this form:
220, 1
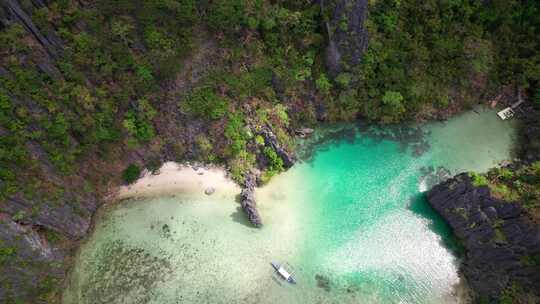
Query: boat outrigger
283, 273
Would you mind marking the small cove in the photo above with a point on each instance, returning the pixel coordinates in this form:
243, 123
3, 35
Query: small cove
351, 219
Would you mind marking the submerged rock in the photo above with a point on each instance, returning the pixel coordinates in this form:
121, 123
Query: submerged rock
323, 282
500, 241
304, 132
136, 272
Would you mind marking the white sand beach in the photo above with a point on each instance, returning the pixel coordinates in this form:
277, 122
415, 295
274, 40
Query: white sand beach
175, 178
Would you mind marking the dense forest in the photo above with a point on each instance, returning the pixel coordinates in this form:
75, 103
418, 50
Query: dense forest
91, 89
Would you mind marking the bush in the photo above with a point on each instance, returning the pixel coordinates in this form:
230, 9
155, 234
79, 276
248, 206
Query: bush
6, 253
235, 132
227, 15
393, 105
323, 84
276, 163
281, 112
478, 180
203, 102
240, 165
131, 174
259, 140
138, 121
205, 148
344, 80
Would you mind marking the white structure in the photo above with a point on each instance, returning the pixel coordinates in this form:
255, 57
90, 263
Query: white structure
509, 112
506, 113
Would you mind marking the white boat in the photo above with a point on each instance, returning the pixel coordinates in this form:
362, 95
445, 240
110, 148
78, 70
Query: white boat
283, 273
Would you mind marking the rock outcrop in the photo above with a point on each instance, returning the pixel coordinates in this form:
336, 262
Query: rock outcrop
271, 140
347, 34
501, 244
27, 261
247, 200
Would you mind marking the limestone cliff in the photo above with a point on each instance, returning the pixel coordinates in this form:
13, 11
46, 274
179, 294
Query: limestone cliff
501, 243
347, 34
65, 103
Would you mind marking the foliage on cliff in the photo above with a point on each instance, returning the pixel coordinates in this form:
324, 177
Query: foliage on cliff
445, 54
520, 184
106, 82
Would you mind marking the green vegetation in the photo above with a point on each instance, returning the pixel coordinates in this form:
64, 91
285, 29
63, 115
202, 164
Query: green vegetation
528, 260
323, 84
478, 180
6, 254
138, 121
438, 54
521, 185
108, 88
205, 148
131, 174
511, 293
205, 103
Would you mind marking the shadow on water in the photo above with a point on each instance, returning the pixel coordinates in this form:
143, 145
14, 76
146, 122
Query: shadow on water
277, 281
411, 138
325, 139
240, 217
420, 206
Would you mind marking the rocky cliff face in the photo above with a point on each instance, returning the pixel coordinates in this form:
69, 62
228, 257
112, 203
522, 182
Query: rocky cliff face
501, 244
347, 34
42, 220
30, 265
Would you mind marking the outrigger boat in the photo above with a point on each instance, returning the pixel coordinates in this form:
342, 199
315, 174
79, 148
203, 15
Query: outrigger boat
283, 273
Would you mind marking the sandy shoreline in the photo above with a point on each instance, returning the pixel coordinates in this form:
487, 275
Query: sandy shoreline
179, 178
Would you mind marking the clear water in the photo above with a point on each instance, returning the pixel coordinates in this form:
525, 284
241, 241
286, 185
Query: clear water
351, 220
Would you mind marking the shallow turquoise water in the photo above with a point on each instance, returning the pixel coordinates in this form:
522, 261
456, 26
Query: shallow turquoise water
351, 219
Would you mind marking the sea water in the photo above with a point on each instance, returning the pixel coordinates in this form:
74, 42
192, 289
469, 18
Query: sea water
351, 220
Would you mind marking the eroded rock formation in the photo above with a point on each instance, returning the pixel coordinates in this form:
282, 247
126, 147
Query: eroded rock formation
271, 140
501, 243
348, 36
247, 200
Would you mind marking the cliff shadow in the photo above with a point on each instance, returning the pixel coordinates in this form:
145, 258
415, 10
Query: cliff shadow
419, 205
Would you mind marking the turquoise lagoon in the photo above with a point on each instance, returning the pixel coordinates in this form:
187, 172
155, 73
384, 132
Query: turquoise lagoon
351, 218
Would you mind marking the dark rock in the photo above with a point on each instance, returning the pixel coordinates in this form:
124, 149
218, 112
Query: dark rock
304, 132
209, 190
491, 213
496, 235
348, 36
48, 68
270, 140
22, 246
16, 14
63, 218
247, 200
323, 282
320, 111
